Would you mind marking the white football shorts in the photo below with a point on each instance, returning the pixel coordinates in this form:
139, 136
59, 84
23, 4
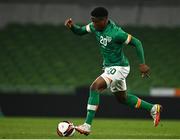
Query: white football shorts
115, 77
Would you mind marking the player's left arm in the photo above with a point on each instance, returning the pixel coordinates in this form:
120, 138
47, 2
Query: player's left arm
144, 69
127, 39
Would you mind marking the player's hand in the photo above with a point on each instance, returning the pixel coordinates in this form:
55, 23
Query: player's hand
68, 23
144, 69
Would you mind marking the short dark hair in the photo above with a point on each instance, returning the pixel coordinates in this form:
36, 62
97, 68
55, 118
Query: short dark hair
99, 12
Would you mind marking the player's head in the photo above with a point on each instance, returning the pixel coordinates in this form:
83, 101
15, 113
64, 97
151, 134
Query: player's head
99, 17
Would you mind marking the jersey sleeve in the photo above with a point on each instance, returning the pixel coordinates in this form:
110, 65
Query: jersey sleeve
79, 30
139, 49
90, 28
82, 30
123, 37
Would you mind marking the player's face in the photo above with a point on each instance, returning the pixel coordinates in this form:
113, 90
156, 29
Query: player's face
99, 24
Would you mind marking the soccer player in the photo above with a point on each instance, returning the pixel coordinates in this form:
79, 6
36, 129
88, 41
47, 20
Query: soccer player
112, 39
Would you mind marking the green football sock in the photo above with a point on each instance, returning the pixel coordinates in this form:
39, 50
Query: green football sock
90, 116
92, 106
134, 101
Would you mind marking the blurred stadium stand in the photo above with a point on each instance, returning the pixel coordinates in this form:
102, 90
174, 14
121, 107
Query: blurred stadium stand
102, 2
136, 12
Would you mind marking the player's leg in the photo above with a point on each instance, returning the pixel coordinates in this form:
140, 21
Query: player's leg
135, 102
93, 101
132, 100
118, 87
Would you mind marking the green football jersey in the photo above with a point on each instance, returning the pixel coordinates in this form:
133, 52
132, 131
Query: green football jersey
111, 41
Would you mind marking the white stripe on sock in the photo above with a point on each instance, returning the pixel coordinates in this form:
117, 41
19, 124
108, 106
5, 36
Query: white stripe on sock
92, 107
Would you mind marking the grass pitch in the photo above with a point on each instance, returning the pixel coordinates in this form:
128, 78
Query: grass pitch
45, 128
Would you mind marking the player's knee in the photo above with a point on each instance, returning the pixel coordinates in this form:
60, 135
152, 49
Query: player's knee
95, 86
121, 96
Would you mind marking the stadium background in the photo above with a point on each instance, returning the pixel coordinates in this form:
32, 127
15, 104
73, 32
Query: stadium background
45, 70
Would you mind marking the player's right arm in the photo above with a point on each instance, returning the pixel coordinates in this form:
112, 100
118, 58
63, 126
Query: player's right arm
75, 28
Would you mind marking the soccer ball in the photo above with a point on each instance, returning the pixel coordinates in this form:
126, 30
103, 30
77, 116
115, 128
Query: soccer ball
65, 129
